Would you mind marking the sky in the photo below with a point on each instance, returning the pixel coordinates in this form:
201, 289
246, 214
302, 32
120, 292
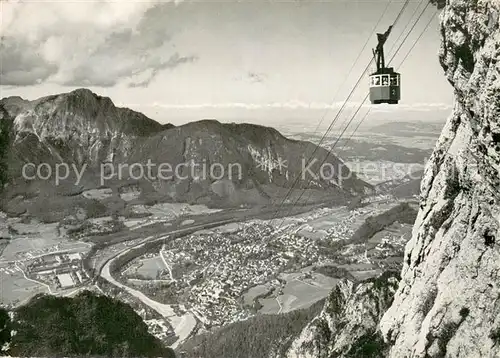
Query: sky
254, 61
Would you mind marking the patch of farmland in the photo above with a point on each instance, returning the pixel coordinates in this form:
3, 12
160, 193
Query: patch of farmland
253, 292
150, 267
303, 292
15, 289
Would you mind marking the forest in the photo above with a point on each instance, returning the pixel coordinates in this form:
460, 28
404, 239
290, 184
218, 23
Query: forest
87, 324
259, 336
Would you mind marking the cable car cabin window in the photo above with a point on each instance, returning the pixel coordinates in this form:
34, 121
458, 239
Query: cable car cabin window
394, 81
385, 80
376, 80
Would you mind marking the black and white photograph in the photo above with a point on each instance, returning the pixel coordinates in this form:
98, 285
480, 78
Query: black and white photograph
250, 178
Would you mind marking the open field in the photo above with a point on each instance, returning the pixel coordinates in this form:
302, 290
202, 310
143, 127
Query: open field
299, 291
39, 244
27, 248
98, 194
14, 288
172, 210
150, 267
270, 305
254, 292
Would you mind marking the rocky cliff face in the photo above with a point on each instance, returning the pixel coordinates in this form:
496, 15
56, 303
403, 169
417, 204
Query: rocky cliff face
347, 325
6, 122
448, 302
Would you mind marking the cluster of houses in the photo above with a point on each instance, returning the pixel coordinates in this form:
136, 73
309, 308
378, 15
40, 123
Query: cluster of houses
224, 265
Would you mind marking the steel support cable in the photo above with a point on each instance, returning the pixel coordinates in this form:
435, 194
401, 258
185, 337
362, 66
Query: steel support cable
407, 54
338, 92
366, 97
332, 123
409, 32
406, 27
418, 38
400, 65
364, 46
290, 190
401, 12
366, 43
322, 139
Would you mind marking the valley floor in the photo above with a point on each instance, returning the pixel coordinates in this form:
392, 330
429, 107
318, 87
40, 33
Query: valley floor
200, 269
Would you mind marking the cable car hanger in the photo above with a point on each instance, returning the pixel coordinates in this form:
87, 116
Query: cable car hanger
385, 82
379, 52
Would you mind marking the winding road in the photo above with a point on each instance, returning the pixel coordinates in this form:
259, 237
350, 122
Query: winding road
182, 325
166, 264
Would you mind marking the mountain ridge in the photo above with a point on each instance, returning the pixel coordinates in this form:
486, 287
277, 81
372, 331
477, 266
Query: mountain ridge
85, 130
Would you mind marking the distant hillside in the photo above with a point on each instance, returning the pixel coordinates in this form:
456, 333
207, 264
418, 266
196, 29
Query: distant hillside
257, 150
369, 148
87, 325
405, 187
409, 128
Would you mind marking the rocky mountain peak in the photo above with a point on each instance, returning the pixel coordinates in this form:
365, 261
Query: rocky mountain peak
79, 126
84, 107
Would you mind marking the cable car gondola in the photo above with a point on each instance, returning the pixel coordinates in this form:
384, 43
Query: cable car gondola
385, 82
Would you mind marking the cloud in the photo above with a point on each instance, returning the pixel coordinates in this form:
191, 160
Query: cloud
21, 67
95, 43
174, 61
257, 77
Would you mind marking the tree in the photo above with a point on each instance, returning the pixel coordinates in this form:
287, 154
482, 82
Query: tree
5, 329
85, 325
